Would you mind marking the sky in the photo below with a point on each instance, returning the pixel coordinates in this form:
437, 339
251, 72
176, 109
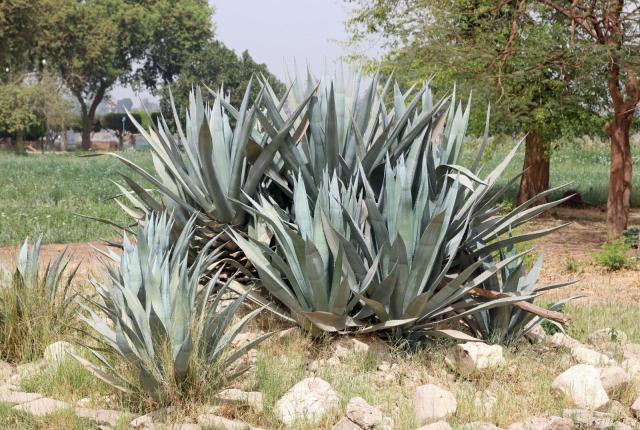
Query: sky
275, 31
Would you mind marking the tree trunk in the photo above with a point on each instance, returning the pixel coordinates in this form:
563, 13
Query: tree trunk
620, 170
64, 144
19, 143
535, 178
87, 126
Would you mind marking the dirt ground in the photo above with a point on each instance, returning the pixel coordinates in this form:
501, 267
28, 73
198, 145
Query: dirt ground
578, 241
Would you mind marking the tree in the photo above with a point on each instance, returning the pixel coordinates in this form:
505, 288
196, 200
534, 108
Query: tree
17, 115
214, 66
53, 103
19, 22
531, 81
593, 56
95, 43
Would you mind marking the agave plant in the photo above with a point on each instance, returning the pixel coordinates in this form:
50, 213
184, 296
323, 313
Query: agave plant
507, 324
217, 160
36, 307
157, 321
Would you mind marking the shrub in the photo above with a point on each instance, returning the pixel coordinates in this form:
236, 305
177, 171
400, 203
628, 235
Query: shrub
36, 307
174, 340
614, 255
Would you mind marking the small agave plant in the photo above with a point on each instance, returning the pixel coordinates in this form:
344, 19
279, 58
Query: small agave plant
153, 317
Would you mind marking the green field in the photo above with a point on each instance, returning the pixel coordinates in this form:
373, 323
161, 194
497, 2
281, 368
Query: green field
44, 193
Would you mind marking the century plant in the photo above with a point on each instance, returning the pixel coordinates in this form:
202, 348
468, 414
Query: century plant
152, 317
36, 306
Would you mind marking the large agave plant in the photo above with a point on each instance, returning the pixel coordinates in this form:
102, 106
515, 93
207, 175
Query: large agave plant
152, 316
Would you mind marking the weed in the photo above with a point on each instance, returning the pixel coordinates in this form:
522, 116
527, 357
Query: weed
614, 255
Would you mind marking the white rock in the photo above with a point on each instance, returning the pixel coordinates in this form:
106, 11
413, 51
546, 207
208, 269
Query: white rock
58, 352
470, 357
309, 399
251, 398
42, 407
432, 403
485, 401
589, 419
543, 423
614, 378
631, 351
581, 384
562, 340
345, 424
604, 337
480, 426
585, 355
6, 371
222, 423
363, 414
440, 425
536, 334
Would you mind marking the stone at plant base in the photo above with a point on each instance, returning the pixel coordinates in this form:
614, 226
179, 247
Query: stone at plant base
309, 399
589, 419
622, 426
17, 397
635, 408
149, 420
101, 416
208, 420
631, 351
585, 355
536, 334
469, 357
632, 367
345, 424
42, 407
440, 425
562, 340
29, 369
480, 426
543, 423
614, 378
604, 337
251, 398
347, 346
6, 371
432, 403
616, 409
57, 352
581, 384
363, 414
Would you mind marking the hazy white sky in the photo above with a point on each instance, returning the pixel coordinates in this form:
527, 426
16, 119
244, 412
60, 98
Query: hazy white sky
275, 31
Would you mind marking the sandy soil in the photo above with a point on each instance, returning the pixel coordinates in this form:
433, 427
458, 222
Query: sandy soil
578, 241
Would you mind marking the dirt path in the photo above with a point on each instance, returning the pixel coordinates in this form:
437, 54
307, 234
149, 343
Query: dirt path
578, 242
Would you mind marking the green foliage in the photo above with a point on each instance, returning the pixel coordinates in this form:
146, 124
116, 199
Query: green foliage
113, 121
215, 66
171, 337
36, 307
614, 255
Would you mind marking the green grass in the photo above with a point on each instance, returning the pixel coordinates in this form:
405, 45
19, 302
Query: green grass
43, 194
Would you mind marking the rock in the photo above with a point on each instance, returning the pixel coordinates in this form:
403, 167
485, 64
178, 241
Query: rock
617, 410
622, 426
480, 426
84, 402
581, 384
17, 397
589, 419
363, 414
631, 351
605, 338
101, 416
470, 357
222, 423
148, 420
347, 346
632, 367
187, 426
42, 407
614, 379
484, 401
251, 398
6, 371
57, 352
440, 425
536, 334
432, 403
29, 369
588, 356
635, 408
543, 423
345, 424
309, 399
562, 340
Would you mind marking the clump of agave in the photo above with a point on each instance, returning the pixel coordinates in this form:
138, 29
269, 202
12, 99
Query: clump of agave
153, 318
36, 307
355, 213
